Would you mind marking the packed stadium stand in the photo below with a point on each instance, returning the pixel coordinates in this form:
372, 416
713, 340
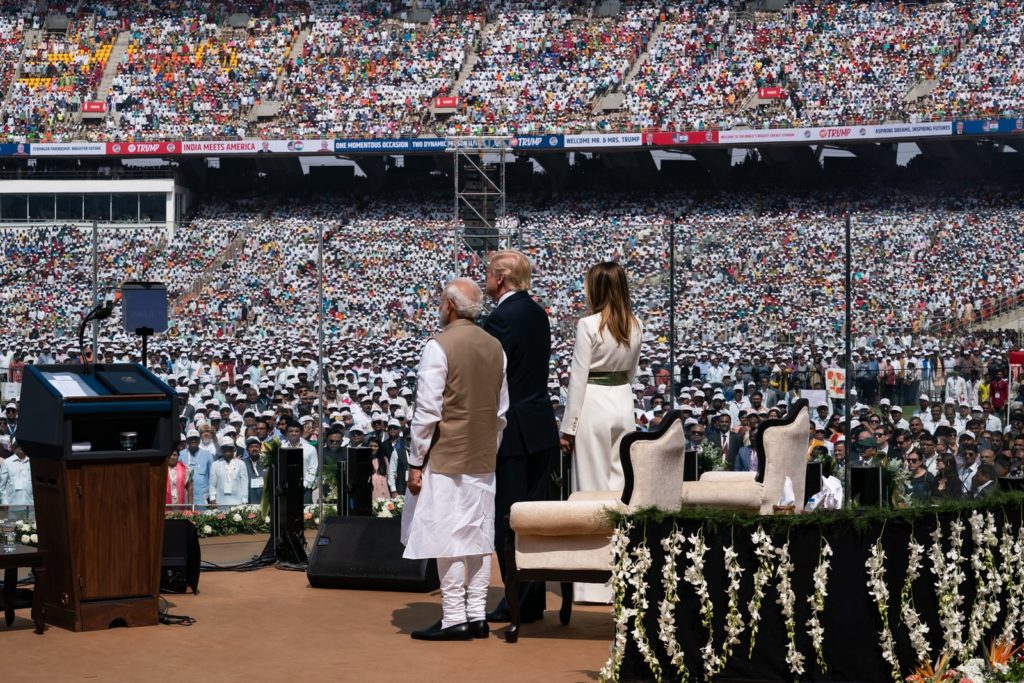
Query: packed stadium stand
199, 70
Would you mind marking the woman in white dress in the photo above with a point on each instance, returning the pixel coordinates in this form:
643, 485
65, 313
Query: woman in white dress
599, 408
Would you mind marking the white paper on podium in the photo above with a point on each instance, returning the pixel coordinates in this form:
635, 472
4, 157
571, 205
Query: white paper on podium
69, 384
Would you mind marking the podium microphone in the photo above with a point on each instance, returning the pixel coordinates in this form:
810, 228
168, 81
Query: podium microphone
101, 311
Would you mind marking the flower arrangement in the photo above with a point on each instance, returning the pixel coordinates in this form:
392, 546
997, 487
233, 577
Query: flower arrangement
673, 545
709, 458
26, 531
388, 507
241, 519
1003, 662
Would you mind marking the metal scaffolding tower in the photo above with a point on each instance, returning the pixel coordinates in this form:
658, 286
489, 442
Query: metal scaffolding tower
480, 223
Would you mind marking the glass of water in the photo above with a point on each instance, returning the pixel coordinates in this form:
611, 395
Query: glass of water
8, 534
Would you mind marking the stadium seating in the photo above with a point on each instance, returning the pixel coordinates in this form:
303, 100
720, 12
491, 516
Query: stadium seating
362, 69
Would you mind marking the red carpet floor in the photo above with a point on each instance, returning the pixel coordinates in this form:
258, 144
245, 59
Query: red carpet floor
270, 625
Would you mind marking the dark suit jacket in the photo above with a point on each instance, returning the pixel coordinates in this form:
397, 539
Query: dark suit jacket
522, 327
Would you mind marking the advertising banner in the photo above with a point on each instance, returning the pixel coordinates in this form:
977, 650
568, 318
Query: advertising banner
835, 382
700, 137
94, 107
395, 146
538, 142
297, 146
446, 102
774, 93
68, 149
143, 148
221, 147
604, 140
20, 149
989, 126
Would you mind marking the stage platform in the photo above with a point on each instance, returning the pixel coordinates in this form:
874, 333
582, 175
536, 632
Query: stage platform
271, 625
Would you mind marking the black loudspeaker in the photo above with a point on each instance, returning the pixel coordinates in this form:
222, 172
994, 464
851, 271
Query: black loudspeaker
866, 485
812, 481
360, 469
179, 569
365, 553
287, 542
691, 471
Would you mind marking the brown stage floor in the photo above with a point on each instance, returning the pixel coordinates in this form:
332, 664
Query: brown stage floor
270, 625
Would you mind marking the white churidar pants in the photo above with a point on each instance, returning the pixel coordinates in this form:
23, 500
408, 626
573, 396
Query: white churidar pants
464, 582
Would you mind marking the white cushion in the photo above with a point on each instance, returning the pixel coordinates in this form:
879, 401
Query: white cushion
728, 476
563, 518
730, 495
564, 552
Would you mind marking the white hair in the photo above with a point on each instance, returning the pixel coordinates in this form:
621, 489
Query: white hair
466, 296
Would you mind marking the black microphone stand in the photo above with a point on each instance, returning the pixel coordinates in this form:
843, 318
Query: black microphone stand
100, 312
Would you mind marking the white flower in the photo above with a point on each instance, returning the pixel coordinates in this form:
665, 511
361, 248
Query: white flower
673, 546
879, 590
236, 517
384, 513
787, 601
34, 538
622, 567
267, 519
25, 539
817, 603
918, 630
765, 553
207, 529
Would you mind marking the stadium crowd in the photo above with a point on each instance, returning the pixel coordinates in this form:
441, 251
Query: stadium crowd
364, 69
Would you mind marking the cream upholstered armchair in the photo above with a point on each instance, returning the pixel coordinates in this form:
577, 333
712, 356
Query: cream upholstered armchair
781, 447
570, 540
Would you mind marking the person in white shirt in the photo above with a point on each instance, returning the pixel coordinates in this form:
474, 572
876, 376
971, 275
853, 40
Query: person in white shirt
956, 387
310, 458
16, 478
229, 478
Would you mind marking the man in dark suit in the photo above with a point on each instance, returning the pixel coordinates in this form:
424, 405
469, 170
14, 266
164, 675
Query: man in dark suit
395, 449
529, 445
726, 439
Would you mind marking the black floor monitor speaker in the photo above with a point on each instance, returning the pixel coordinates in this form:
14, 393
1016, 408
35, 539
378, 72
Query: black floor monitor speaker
365, 553
179, 569
360, 469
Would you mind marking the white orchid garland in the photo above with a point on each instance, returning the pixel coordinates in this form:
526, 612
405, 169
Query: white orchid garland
733, 620
918, 630
1011, 549
948, 577
765, 553
987, 581
641, 564
673, 545
787, 601
878, 589
817, 602
622, 569
694, 575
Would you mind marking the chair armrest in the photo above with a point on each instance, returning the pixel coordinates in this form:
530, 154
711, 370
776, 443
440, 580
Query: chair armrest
563, 518
728, 476
581, 496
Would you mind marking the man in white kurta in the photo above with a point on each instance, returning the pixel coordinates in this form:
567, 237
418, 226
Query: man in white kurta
462, 398
229, 478
16, 478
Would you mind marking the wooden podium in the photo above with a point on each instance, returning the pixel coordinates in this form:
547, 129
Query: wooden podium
99, 508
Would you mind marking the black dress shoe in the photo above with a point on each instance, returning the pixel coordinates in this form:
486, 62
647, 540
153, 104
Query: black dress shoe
436, 632
501, 616
479, 628
498, 616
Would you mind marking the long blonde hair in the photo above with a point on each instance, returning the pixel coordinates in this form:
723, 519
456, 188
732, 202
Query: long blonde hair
608, 294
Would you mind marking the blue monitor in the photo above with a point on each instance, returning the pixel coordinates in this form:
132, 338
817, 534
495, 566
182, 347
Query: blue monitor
144, 306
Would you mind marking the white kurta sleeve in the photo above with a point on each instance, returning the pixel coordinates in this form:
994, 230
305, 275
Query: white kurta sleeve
430, 382
215, 477
310, 465
393, 474
578, 378
503, 398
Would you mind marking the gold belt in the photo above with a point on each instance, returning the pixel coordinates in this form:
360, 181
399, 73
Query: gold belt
607, 379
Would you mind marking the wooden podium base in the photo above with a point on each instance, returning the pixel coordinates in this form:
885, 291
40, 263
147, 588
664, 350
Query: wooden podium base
102, 524
101, 615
